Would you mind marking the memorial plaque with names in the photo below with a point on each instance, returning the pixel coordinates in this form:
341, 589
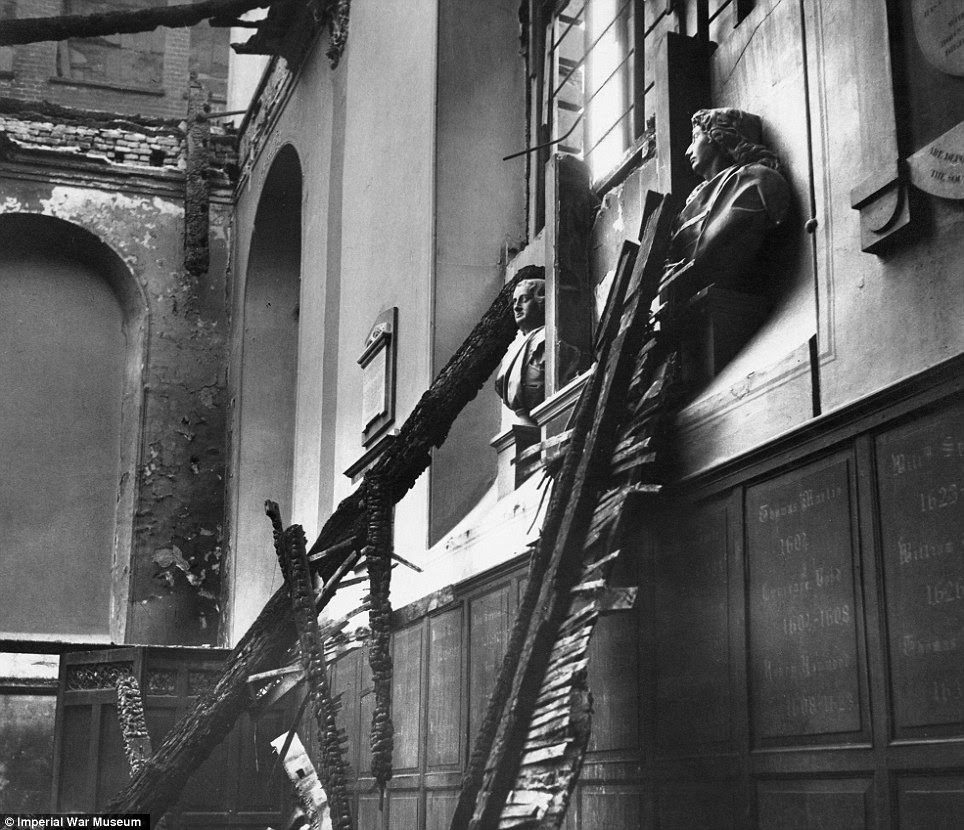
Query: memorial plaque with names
920, 470
804, 677
692, 622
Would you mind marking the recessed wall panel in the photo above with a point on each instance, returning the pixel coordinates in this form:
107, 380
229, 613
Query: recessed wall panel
802, 623
692, 651
920, 474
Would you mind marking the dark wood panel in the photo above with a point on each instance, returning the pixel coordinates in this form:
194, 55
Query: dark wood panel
610, 807
403, 812
614, 683
692, 622
406, 696
709, 806
206, 790
815, 805
74, 789
802, 624
366, 705
930, 803
254, 791
344, 682
488, 624
920, 470
370, 814
112, 768
439, 808
444, 704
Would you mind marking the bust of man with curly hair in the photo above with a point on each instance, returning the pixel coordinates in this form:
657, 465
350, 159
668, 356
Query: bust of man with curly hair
721, 229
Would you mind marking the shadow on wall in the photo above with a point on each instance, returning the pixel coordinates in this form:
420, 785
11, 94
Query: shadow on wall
72, 338
269, 372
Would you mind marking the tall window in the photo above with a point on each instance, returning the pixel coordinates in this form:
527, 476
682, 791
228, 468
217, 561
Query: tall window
589, 97
126, 60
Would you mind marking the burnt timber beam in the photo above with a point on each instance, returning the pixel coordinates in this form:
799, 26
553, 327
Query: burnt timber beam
158, 784
34, 29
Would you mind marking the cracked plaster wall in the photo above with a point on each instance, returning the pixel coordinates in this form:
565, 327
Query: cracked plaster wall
173, 571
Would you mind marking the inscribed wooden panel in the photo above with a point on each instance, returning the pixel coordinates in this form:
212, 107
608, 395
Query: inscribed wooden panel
804, 677
444, 739
920, 470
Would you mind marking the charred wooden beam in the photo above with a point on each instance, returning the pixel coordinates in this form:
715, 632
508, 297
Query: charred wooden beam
130, 715
325, 708
34, 29
157, 786
378, 557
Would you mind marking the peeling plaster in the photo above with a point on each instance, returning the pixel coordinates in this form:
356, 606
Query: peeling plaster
179, 509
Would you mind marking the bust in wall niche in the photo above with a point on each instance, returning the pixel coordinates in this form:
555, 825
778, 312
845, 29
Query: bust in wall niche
520, 381
722, 227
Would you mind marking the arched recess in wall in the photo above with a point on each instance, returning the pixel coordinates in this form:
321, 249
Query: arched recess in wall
73, 329
269, 369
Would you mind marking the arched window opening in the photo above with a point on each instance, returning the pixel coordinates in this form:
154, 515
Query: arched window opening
70, 328
269, 368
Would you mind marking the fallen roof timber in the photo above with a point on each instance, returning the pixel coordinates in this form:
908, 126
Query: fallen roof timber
156, 787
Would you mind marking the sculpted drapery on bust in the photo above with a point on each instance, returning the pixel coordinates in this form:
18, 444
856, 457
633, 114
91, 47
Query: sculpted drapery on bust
743, 196
520, 381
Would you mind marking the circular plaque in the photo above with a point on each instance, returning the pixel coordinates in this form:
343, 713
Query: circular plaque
939, 26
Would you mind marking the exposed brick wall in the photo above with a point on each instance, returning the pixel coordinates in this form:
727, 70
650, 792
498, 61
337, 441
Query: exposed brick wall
117, 140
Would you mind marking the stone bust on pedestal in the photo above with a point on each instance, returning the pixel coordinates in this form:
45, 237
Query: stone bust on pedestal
520, 382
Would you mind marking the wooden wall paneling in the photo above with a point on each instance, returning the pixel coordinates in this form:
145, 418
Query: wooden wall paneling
444, 734
643, 547
874, 617
920, 475
403, 812
807, 668
610, 807
439, 808
709, 806
488, 634
614, 683
75, 739
345, 682
256, 793
113, 771
407, 697
369, 815
366, 705
927, 802
818, 804
692, 650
